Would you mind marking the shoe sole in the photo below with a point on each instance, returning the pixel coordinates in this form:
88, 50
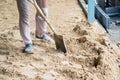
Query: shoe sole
28, 52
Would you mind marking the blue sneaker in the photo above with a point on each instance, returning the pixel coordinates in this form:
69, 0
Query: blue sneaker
45, 37
28, 48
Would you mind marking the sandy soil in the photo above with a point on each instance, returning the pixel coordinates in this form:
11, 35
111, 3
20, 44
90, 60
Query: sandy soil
91, 55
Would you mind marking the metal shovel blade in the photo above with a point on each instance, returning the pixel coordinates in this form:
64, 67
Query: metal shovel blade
59, 42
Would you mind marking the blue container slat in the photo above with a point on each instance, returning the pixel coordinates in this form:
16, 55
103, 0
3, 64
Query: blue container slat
103, 18
91, 11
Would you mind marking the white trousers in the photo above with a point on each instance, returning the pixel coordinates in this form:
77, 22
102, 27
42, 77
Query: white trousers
23, 9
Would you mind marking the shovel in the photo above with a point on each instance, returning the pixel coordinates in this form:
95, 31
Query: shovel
59, 42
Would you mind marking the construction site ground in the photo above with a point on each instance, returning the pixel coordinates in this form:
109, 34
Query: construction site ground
91, 55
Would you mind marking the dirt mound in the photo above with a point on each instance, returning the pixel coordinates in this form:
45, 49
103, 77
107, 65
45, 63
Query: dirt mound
94, 53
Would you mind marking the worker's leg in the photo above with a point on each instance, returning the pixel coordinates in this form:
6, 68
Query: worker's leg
40, 23
23, 8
